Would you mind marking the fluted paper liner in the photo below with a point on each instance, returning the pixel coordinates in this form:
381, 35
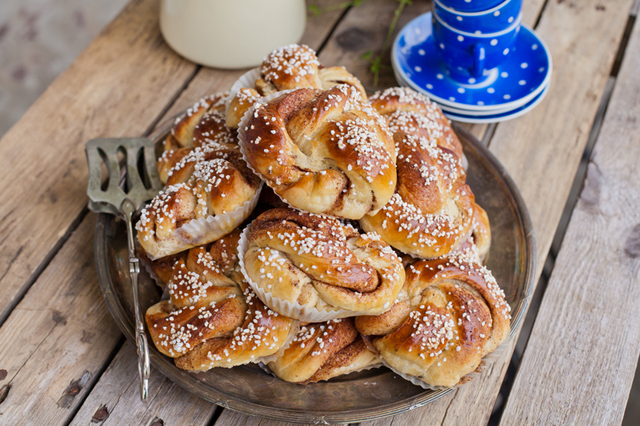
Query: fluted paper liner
284, 307
266, 369
247, 80
152, 274
211, 228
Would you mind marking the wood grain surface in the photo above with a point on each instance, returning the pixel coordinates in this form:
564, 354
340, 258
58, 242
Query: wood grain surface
117, 87
115, 400
66, 362
58, 339
584, 346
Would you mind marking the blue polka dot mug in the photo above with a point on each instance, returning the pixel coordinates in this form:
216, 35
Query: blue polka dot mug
491, 20
470, 57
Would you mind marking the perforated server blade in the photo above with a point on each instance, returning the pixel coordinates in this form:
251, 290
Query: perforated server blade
131, 180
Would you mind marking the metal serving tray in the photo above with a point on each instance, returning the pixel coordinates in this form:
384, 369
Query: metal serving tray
359, 396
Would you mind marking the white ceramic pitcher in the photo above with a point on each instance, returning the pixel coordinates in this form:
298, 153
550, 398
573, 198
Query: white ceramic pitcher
230, 33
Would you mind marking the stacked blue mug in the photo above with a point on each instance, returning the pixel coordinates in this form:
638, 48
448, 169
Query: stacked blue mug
475, 58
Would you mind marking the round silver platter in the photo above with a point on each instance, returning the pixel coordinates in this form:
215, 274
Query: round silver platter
355, 397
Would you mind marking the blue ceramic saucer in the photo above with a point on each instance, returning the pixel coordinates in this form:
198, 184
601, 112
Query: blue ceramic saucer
517, 112
525, 72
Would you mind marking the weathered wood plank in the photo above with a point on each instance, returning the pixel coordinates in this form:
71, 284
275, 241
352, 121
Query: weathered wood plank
40, 38
595, 331
117, 87
541, 151
115, 400
58, 338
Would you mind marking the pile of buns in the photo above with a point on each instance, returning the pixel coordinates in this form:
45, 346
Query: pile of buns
319, 232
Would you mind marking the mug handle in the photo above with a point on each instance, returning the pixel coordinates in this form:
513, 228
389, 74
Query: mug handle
478, 61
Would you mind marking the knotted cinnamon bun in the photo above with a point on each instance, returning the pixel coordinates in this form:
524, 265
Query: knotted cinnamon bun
321, 351
211, 185
432, 209
322, 151
287, 68
309, 266
202, 124
212, 319
450, 314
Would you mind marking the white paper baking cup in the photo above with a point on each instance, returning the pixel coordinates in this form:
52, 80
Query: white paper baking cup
266, 369
200, 231
247, 80
207, 229
156, 279
284, 307
414, 379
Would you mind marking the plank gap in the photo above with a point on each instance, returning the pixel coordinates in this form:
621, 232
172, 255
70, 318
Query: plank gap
172, 100
488, 134
42, 266
333, 29
579, 179
215, 416
622, 48
632, 410
505, 389
544, 5
521, 344
88, 388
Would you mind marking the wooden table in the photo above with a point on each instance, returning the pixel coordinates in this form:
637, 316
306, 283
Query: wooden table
64, 361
